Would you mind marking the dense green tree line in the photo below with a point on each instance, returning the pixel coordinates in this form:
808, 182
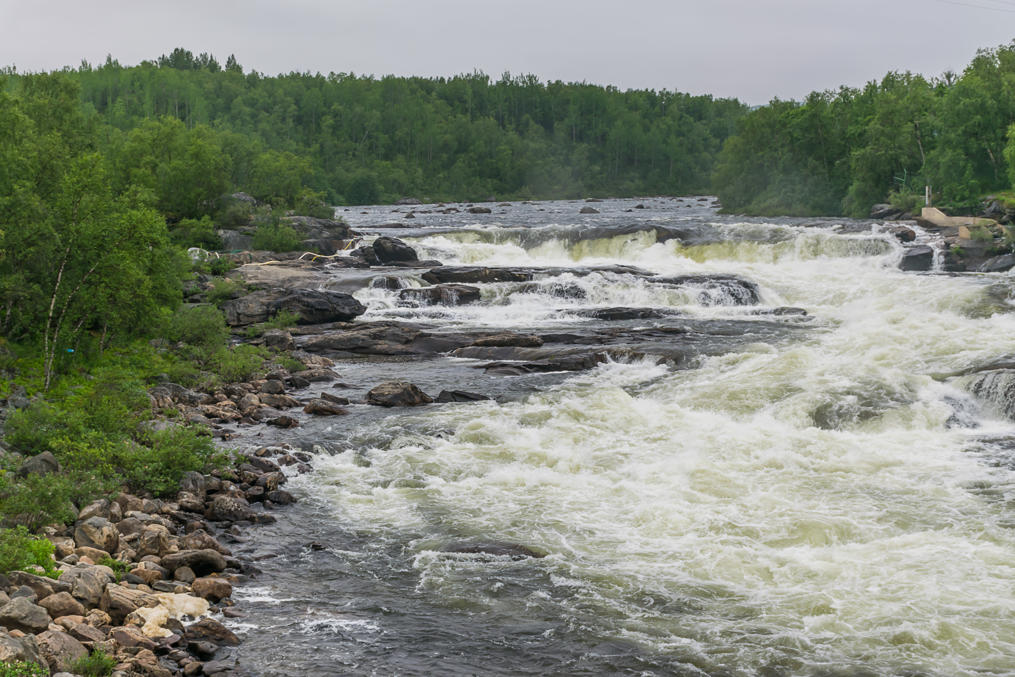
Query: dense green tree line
360, 139
840, 152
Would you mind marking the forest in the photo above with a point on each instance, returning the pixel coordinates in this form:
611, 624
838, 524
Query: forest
840, 152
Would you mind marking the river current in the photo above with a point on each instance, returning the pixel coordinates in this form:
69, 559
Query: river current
814, 494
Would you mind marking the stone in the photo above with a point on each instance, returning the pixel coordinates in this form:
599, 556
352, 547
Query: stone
998, 264
280, 497
212, 588
479, 210
273, 387
588, 210
22, 614
199, 539
278, 339
40, 464
103, 508
271, 481
87, 583
334, 399
60, 650
193, 482
278, 401
509, 339
200, 561
62, 604
89, 555
211, 630
918, 258
42, 586
120, 601
391, 250
154, 540
902, 233
184, 575
311, 305
97, 532
283, 422
441, 295
86, 633
229, 509
460, 396
316, 375
397, 394
322, 407
19, 649
127, 637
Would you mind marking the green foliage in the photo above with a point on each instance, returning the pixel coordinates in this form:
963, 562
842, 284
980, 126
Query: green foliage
196, 233
905, 201
158, 465
223, 289
23, 669
235, 214
37, 500
283, 319
200, 326
119, 567
239, 363
96, 664
20, 550
276, 237
311, 203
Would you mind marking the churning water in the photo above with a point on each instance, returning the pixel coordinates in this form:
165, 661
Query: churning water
823, 499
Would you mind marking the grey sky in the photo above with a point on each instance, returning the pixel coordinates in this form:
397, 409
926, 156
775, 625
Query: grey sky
751, 50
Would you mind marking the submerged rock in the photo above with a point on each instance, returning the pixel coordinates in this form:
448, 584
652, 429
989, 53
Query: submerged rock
717, 290
512, 550
460, 396
441, 294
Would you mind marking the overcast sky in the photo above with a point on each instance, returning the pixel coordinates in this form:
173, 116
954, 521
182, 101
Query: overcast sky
750, 49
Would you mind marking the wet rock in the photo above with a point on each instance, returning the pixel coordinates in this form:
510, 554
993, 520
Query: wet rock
620, 314
313, 306
902, 233
62, 604
40, 464
322, 407
229, 509
475, 274
211, 630
441, 295
574, 362
717, 289
509, 339
563, 290
22, 614
392, 250
397, 394
512, 550
479, 210
60, 650
279, 497
918, 258
460, 396
278, 401
998, 264
212, 588
334, 399
97, 532
588, 210
317, 375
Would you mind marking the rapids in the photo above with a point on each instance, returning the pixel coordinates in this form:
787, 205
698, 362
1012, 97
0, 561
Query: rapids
823, 499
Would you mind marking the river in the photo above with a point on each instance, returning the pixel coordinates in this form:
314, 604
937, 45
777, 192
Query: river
809, 494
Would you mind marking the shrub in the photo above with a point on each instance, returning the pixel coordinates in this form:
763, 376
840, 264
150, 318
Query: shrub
239, 363
220, 266
20, 550
310, 203
23, 669
235, 214
96, 664
196, 233
119, 567
223, 289
202, 326
37, 500
276, 237
158, 468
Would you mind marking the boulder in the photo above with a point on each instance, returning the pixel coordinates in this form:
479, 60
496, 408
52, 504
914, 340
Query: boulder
202, 540
211, 630
87, 583
279, 497
311, 305
717, 289
103, 508
998, 264
279, 339
321, 407
588, 210
278, 401
40, 464
60, 650
441, 295
154, 540
22, 614
120, 601
918, 258
479, 210
62, 604
397, 394
19, 649
512, 550
311, 228
229, 509
509, 339
460, 396
97, 532
903, 234
393, 250
211, 588
283, 422
42, 586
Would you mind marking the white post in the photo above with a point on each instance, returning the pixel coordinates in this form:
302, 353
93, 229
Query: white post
926, 195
